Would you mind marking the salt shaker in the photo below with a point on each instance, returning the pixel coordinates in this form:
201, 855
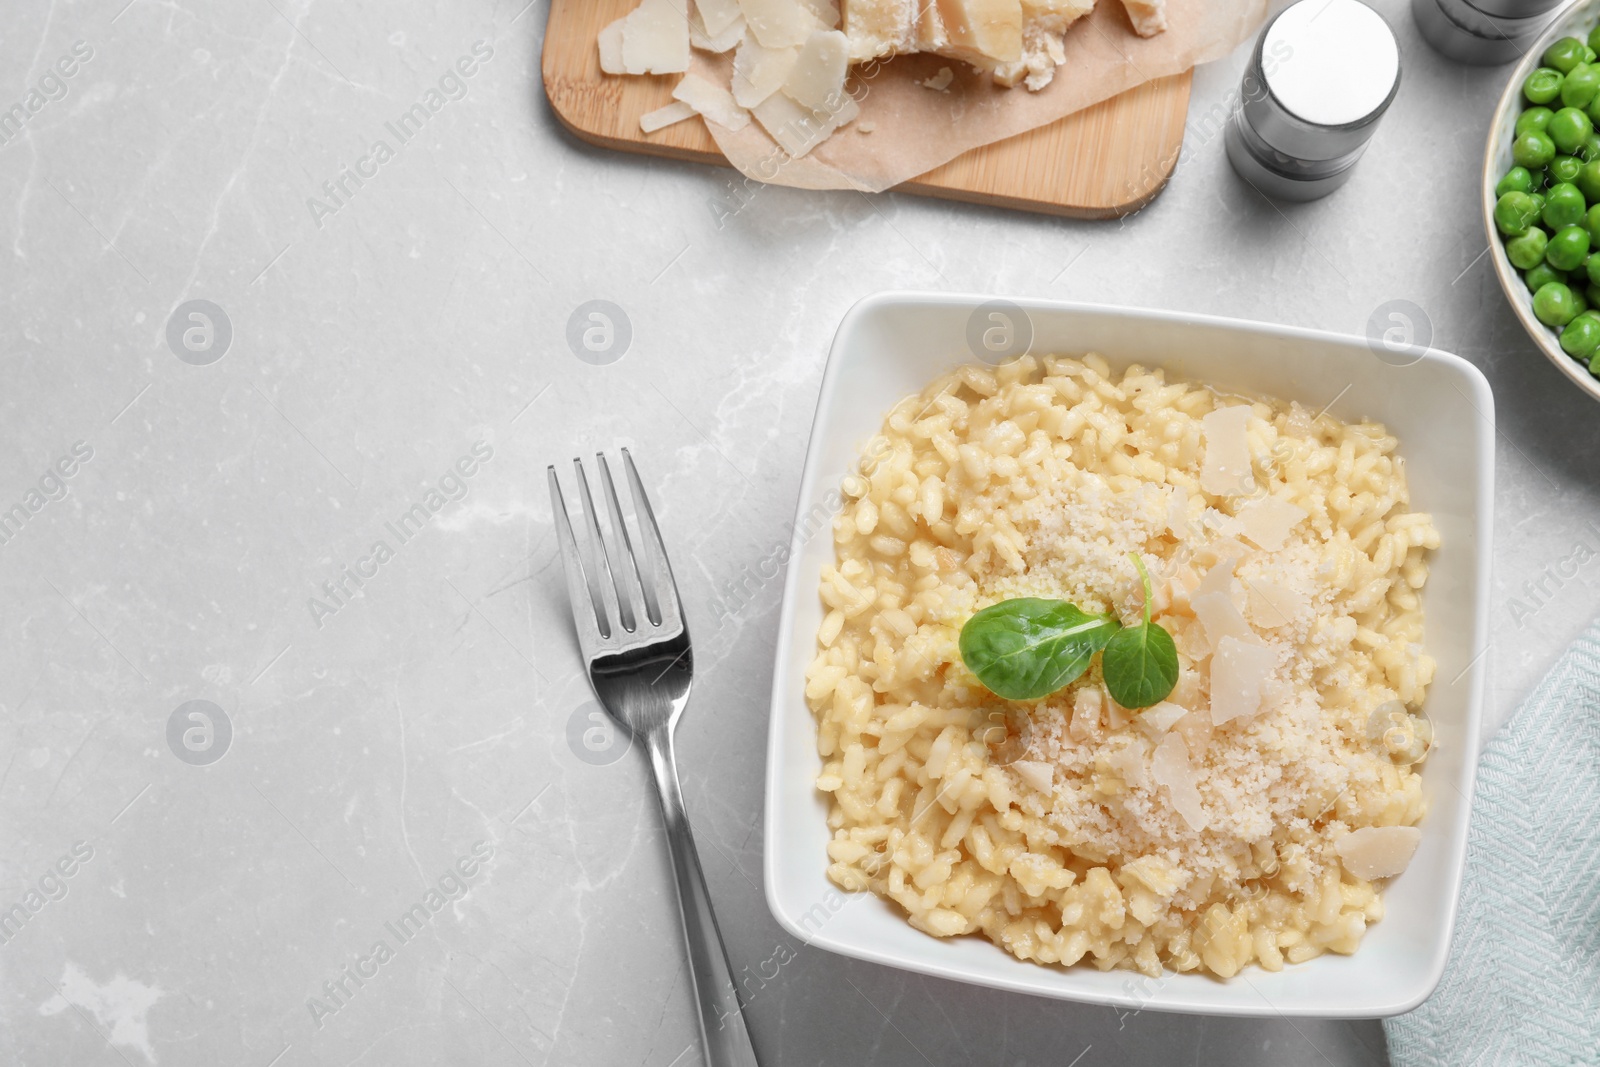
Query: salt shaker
1483, 32
1322, 75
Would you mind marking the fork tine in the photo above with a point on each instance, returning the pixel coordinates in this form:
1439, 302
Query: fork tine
659, 569
612, 588
652, 609
591, 624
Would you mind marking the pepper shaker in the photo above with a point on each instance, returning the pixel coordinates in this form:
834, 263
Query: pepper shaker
1322, 75
1483, 32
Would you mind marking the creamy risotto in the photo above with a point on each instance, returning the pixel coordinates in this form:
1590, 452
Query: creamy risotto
1249, 817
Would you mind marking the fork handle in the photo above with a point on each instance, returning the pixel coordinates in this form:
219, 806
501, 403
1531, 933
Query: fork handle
723, 1033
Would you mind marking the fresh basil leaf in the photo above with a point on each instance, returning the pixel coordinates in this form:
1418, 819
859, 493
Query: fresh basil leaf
1027, 648
1140, 665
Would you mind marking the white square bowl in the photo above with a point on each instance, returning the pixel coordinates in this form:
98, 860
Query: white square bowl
892, 345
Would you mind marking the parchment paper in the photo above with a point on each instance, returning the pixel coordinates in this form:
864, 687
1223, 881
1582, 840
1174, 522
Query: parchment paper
917, 129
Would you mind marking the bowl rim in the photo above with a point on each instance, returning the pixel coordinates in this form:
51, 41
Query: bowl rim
1479, 395
1509, 277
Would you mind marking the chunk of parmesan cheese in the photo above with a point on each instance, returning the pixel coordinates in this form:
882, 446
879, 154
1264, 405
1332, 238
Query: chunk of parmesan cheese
817, 78
1149, 17
880, 27
1266, 521
655, 39
1239, 669
675, 112
778, 23
712, 101
758, 71
982, 32
1169, 766
1225, 469
1378, 851
940, 81
1037, 774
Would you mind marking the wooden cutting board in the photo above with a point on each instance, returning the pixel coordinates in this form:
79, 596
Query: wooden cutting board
1107, 160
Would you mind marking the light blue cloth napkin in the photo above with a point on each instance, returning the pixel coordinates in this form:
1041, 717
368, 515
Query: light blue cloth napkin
1523, 982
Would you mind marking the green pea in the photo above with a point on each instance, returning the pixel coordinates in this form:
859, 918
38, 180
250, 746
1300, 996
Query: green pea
1564, 54
1565, 169
1591, 266
1534, 120
1569, 126
1591, 143
1553, 304
1518, 180
1538, 202
1514, 213
1563, 206
1594, 37
1578, 89
1527, 251
1543, 85
1568, 248
1588, 180
1581, 337
1533, 149
1591, 222
1589, 54
1541, 275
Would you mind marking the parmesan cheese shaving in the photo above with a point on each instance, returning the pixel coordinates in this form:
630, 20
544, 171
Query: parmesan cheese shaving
817, 77
610, 41
940, 81
675, 112
778, 23
1239, 669
712, 101
1378, 851
1169, 766
655, 39
1225, 470
758, 71
1220, 619
706, 41
825, 12
1159, 719
1039, 775
1275, 604
1128, 761
799, 129
718, 15
1266, 521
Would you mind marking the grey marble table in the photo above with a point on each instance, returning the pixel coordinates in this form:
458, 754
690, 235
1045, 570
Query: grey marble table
389, 365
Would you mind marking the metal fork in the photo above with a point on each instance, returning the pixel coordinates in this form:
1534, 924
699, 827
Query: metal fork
635, 643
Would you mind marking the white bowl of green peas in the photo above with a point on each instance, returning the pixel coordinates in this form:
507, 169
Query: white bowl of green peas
1541, 184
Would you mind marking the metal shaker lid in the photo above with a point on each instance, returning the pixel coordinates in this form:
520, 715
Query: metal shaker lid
1330, 69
